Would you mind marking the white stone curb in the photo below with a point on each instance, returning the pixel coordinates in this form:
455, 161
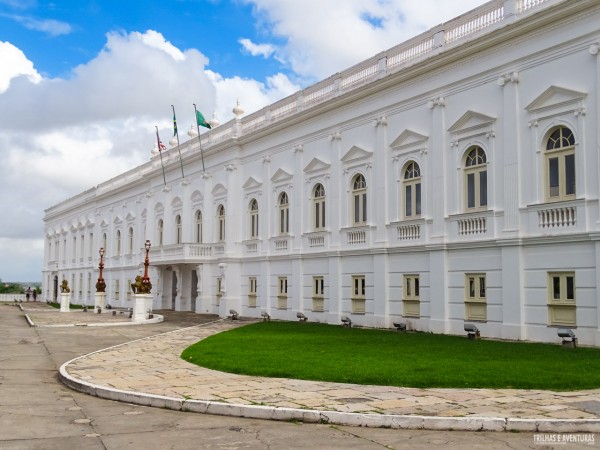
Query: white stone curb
330, 417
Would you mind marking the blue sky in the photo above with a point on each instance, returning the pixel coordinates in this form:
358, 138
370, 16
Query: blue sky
60, 35
84, 82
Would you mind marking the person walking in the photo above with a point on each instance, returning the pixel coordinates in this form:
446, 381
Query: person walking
35, 294
28, 293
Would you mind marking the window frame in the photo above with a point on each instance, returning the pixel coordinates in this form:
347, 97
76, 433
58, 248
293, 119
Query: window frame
475, 302
178, 229
358, 290
198, 225
283, 211
560, 153
252, 291
475, 168
359, 212
562, 311
319, 207
221, 231
253, 232
412, 181
411, 294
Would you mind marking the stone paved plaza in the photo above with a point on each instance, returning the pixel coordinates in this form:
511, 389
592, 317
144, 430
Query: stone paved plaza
152, 366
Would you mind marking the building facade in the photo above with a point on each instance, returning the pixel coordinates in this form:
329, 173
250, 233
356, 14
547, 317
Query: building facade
450, 179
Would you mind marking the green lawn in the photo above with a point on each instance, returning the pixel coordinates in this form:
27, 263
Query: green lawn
71, 305
312, 351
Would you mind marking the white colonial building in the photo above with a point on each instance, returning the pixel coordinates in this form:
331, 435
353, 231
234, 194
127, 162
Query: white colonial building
450, 179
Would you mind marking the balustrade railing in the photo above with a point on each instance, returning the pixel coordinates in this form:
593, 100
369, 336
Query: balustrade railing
407, 232
356, 237
557, 217
472, 225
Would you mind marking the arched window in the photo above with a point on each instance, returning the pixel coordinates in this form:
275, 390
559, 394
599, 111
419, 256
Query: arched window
221, 223
560, 165
359, 200
178, 229
198, 230
412, 190
476, 178
284, 213
253, 219
160, 229
130, 241
118, 242
319, 207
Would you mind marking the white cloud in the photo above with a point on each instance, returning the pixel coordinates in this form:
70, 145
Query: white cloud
264, 50
49, 26
323, 37
15, 64
62, 136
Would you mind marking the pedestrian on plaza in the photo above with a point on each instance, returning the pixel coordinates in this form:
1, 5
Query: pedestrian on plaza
28, 293
35, 294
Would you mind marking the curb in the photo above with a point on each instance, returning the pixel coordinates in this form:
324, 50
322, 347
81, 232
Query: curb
156, 319
326, 417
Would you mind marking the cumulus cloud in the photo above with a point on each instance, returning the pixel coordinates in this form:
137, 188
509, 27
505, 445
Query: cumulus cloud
325, 37
264, 50
15, 64
62, 136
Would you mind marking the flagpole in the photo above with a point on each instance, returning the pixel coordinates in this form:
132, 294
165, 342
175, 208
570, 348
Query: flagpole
177, 134
160, 152
199, 139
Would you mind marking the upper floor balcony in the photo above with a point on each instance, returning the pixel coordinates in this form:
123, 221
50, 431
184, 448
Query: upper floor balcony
181, 253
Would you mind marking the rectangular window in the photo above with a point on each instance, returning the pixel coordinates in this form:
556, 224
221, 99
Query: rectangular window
408, 201
411, 297
318, 291
471, 190
252, 290
418, 199
562, 309
282, 292
475, 297
483, 188
358, 294
570, 174
553, 177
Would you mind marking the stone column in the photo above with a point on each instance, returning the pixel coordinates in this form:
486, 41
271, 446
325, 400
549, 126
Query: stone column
65, 300
99, 301
141, 307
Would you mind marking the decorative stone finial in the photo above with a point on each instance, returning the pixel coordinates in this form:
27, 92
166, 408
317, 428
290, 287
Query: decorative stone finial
214, 122
238, 110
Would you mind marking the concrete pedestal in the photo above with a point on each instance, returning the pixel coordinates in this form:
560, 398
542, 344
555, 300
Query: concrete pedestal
142, 303
99, 300
65, 300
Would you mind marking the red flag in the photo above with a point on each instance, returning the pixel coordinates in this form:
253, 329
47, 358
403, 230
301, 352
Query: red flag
161, 146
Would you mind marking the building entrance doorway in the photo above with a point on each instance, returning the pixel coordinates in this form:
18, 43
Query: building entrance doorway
194, 290
173, 290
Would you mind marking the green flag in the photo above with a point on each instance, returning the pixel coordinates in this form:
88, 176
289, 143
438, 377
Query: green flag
202, 121
174, 125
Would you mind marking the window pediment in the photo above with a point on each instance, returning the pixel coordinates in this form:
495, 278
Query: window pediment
176, 203
197, 197
470, 122
356, 154
219, 190
281, 175
117, 220
409, 139
316, 165
554, 97
130, 217
158, 208
252, 183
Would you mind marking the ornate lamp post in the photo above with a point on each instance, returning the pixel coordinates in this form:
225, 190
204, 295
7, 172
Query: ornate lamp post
101, 285
146, 285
